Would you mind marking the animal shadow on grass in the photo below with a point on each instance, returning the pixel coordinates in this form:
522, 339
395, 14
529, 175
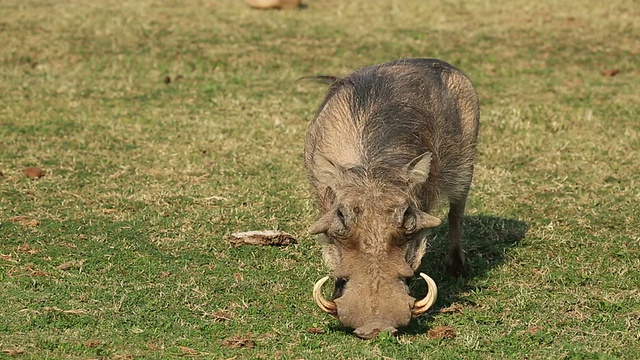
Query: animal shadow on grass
486, 241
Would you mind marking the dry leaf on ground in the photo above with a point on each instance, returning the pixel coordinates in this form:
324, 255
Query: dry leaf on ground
34, 172
451, 309
33, 271
274, 4
24, 221
91, 343
266, 237
315, 330
235, 343
610, 72
72, 312
533, 330
125, 356
8, 257
220, 315
13, 352
66, 265
441, 332
25, 247
188, 351
71, 264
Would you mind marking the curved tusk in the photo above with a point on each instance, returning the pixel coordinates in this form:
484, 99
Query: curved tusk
324, 304
421, 306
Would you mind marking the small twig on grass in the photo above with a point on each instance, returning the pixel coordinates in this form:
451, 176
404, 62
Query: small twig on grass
215, 197
219, 316
266, 238
236, 343
57, 309
187, 351
454, 308
13, 352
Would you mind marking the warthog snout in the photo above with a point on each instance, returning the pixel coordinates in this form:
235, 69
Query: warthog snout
368, 322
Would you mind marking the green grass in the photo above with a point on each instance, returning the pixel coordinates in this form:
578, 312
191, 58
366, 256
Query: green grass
146, 180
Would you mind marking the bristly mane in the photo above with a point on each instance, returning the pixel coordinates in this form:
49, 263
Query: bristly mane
323, 79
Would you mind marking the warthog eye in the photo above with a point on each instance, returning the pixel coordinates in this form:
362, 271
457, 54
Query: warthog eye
343, 216
409, 220
338, 291
340, 216
404, 282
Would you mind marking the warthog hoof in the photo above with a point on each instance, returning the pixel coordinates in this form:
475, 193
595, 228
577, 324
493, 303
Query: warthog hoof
455, 263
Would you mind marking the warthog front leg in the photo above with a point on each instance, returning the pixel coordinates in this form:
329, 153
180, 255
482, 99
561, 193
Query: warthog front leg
455, 258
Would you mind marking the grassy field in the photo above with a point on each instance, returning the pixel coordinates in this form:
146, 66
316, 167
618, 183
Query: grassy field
165, 126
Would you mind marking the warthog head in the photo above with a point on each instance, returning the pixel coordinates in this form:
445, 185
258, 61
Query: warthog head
374, 240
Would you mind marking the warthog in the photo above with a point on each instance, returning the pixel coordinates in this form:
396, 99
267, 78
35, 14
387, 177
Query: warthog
388, 144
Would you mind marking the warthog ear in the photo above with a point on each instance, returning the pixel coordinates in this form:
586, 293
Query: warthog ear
326, 171
334, 221
415, 220
322, 225
417, 170
426, 221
